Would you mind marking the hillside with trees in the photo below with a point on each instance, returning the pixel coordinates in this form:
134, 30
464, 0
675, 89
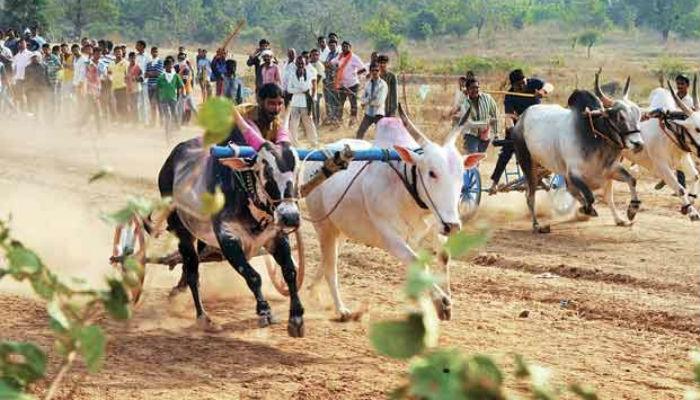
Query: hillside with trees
387, 23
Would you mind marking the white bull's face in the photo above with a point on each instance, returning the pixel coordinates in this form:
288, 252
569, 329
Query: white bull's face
439, 171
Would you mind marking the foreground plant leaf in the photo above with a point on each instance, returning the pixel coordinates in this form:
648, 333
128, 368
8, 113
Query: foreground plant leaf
212, 203
216, 118
23, 261
116, 300
8, 392
92, 344
461, 243
399, 339
438, 375
23, 363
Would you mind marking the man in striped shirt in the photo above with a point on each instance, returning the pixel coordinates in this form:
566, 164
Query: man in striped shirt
479, 107
154, 69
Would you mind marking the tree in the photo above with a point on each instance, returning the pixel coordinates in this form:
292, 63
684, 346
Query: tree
82, 14
21, 14
589, 39
423, 25
665, 16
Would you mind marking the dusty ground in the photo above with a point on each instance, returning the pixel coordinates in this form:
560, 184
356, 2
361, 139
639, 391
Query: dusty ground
622, 315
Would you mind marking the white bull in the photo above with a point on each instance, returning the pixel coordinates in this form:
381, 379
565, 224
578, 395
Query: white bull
386, 205
670, 136
582, 143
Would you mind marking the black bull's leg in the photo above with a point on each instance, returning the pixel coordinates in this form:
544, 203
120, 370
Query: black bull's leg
282, 253
233, 252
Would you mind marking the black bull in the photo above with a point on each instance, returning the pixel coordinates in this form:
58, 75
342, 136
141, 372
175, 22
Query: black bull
238, 230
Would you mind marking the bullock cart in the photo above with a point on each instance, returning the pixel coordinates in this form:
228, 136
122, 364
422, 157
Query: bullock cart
555, 185
130, 239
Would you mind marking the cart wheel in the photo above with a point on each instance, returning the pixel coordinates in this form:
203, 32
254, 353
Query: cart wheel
297, 246
562, 201
130, 241
471, 194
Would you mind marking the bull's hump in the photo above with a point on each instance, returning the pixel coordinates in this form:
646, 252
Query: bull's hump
391, 132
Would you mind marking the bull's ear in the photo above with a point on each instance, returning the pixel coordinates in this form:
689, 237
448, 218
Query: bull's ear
472, 160
235, 163
406, 155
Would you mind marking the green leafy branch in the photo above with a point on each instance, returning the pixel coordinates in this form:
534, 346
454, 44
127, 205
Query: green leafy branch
444, 373
72, 310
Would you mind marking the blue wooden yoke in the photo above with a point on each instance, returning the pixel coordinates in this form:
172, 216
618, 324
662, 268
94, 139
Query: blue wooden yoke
374, 154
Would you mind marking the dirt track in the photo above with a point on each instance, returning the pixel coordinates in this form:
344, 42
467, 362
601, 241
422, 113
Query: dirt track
622, 315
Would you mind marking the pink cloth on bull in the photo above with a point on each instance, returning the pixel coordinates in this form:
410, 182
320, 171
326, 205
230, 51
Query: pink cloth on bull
390, 132
254, 138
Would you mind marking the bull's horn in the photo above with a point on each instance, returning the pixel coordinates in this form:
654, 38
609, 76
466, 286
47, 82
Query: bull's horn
696, 102
626, 91
607, 101
412, 129
678, 100
451, 137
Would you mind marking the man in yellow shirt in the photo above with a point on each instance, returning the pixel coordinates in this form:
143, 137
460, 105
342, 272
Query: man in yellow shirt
117, 74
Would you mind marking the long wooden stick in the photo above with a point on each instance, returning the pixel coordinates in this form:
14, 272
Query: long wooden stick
509, 93
239, 25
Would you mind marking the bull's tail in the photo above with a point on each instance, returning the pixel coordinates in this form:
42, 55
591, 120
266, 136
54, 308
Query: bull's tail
522, 154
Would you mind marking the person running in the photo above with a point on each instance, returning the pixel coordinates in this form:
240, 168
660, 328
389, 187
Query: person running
186, 104
169, 88
373, 100
392, 97
154, 69
204, 73
134, 80
347, 83
117, 72
299, 86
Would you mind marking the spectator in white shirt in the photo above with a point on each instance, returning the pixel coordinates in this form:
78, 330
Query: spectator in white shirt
299, 86
323, 48
20, 61
373, 100
288, 69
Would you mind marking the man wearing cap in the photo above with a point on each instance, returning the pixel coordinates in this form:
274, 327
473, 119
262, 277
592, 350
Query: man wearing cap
269, 71
255, 60
515, 106
347, 82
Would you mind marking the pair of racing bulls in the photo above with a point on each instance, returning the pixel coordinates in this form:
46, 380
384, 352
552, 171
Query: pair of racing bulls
384, 204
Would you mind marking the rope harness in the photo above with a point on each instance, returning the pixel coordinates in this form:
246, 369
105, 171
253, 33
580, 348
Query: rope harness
617, 140
677, 134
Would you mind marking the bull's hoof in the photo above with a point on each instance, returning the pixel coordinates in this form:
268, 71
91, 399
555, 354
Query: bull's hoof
541, 229
345, 315
266, 319
207, 325
623, 223
295, 327
443, 308
695, 217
